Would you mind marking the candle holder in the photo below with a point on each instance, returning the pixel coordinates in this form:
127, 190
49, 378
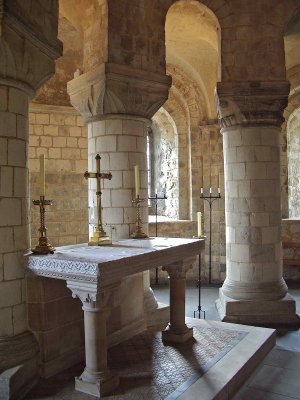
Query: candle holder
138, 234
44, 246
99, 238
210, 199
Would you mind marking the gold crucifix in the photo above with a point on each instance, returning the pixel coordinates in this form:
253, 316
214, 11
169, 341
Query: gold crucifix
99, 238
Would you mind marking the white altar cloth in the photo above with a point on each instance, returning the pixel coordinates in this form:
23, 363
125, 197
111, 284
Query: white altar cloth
114, 262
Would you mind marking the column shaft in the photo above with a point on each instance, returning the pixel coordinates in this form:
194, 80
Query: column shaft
177, 331
253, 214
177, 304
122, 144
95, 344
17, 345
254, 291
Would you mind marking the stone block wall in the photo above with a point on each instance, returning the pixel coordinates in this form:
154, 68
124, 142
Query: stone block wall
59, 134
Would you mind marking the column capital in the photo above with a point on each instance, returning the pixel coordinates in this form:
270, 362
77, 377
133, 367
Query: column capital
251, 103
28, 44
93, 297
178, 269
119, 90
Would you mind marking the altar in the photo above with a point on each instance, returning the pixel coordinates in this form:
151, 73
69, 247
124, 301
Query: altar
93, 273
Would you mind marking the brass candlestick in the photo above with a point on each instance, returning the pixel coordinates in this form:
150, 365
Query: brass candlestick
138, 234
44, 246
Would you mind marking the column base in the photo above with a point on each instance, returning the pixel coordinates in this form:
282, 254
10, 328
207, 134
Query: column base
171, 336
98, 388
267, 313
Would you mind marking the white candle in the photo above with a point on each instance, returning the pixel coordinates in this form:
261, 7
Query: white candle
219, 191
156, 192
201, 191
42, 175
199, 223
210, 190
137, 180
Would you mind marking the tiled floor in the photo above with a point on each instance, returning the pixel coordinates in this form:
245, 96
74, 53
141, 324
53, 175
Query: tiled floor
277, 377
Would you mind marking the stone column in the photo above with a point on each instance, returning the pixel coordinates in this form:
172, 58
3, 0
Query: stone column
177, 331
254, 291
117, 103
25, 64
96, 378
122, 144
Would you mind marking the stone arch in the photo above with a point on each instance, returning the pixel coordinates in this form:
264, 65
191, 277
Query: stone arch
293, 152
190, 88
179, 110
191, 162
165, 157
188, 107
288, 156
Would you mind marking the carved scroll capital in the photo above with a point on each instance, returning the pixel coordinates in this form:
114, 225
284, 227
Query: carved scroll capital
178, 269
251, 103
93, 297
118, 89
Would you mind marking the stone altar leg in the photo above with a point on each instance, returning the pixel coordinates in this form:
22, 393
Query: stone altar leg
96, 378
19, 47
177, 330
254, 291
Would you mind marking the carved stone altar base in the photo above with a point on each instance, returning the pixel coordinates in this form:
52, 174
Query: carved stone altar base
94, 274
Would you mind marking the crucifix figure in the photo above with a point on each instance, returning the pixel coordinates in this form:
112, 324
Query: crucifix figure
99, 238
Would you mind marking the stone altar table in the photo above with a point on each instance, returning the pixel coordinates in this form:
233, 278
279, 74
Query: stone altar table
93, 274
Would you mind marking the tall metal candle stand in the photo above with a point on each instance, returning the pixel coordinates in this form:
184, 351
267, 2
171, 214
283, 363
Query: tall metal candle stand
210, 199
199, 310
156, 198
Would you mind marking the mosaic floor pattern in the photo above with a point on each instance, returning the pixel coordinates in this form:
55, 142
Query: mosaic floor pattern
148, 368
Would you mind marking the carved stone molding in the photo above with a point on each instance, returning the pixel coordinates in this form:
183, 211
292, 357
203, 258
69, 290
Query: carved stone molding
28, 48
60, 269
251, 103
118, 89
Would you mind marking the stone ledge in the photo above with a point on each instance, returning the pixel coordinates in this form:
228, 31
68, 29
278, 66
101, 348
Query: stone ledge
17, 381
224, 378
